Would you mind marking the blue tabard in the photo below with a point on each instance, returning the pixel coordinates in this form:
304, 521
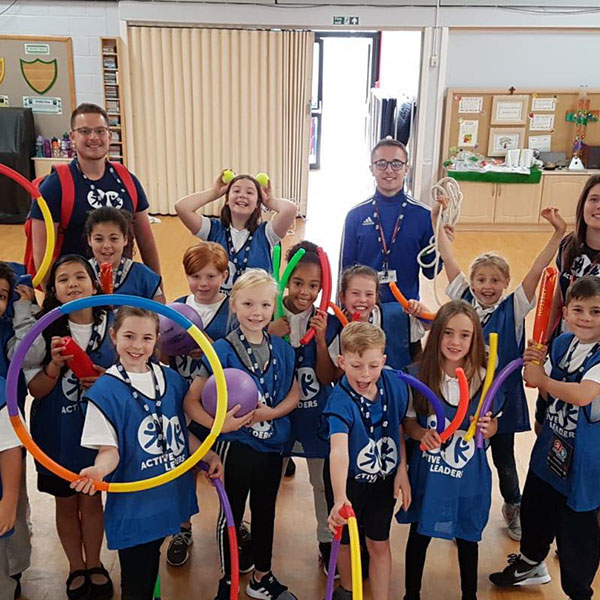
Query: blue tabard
377, 455
396, 325
57, 419
267, 436
6, 334
573, 430
138, 517
139, 280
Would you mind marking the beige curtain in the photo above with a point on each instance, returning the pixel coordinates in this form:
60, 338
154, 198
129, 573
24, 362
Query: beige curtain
200, 100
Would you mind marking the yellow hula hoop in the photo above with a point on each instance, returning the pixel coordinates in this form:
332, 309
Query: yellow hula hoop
489, 377
50, 242
357, 586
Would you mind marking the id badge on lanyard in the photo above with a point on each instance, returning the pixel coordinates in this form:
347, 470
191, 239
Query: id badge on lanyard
387, 275
560, 456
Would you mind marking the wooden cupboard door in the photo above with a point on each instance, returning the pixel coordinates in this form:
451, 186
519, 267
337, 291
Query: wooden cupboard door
478, 202
517, 202
563, 192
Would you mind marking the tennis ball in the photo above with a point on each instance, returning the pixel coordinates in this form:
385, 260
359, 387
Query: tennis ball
263, 179
227, 176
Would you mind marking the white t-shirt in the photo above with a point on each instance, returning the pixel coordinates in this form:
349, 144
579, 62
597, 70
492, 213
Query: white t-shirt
97, 429
450, 391
298, 324
81, 333
238, 236
417, 331
207, 312
8, 437
522, 306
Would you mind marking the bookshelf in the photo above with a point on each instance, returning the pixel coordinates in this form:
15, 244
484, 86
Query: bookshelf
113, 97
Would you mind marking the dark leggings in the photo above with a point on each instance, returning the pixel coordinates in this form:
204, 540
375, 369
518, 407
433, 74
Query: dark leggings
258, 474
503, 455
546, 516
139, 570
416, 551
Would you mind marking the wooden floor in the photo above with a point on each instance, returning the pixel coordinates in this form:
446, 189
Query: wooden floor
295, 545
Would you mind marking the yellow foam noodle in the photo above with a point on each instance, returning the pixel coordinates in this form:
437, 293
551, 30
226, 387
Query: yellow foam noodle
50, 242
489, 377
357, 587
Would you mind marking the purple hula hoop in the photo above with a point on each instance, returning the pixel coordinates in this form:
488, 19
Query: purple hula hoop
508, 370
428, 393
222, 496
335, 549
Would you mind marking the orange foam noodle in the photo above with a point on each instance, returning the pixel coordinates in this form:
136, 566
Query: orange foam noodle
339, 314
544, 304
404, 302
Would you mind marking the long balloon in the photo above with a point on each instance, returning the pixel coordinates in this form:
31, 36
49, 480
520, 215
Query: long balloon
438, 407
231, 531
508, 370
544, 304
489, 376
12, 378
461, 411
428, 316
325, 291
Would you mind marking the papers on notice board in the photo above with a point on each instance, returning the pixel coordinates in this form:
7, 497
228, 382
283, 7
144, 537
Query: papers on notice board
467, 133
541, 123
543, 143
543, 104
470, 104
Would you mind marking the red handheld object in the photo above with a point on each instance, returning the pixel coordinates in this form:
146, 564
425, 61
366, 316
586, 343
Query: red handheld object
325, 291
404, 302
461, 410
544, 304
81, 364
106, 277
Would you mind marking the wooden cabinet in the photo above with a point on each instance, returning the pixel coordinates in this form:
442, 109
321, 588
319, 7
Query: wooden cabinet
517, 203
478, 202
563, 192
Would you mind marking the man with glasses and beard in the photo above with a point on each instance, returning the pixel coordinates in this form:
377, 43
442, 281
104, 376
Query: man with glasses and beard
387, 231
95, 182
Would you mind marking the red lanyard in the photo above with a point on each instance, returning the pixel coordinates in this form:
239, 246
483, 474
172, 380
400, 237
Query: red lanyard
384, 247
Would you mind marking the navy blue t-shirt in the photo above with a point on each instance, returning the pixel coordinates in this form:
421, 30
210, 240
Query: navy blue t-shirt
107, 192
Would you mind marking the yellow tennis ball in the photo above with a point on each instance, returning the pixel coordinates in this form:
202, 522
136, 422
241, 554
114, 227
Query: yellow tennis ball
263, 179
227, 176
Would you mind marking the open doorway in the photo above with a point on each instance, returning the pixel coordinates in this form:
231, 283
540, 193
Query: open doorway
353, 72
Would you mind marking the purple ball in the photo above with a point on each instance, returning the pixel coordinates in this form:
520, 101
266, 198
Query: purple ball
241, 389
174, 339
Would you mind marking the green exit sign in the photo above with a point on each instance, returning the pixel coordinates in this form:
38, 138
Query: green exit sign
346, 20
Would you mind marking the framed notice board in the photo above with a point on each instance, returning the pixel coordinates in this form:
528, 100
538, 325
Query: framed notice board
37, 72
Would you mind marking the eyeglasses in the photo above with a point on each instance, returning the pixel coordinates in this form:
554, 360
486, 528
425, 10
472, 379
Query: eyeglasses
87, 131
382, 165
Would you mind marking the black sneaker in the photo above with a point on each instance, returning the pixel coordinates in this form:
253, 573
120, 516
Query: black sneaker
290, 470
520, 572
324, 556
224, 591
177, 552
17, 578
268, 588
245, 552
341, 593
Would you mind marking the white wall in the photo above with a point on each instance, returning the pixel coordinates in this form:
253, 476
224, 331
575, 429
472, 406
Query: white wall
85, 22
550, 59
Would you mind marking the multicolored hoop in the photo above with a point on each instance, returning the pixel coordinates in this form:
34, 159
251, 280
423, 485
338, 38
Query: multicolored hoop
115, 300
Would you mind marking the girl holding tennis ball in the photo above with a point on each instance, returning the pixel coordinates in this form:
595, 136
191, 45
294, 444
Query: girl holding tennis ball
252, 454
247, 239
57, 415
135, 421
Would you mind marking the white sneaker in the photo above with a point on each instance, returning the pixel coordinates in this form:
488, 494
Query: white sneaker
512, 516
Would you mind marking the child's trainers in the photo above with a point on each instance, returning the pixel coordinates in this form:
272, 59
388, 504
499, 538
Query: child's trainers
268, 588
224, 592
245, 551
177, 552
341, 593
512, 516
521, 572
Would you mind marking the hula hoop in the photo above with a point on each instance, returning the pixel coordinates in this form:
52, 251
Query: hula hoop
47, 216
424, 389
325, 292
114, 300
426, 316
357, 588
489, 376
231, 531
500, 379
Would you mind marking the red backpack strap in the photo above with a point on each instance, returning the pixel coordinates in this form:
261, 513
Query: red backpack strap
67, 186
128, 182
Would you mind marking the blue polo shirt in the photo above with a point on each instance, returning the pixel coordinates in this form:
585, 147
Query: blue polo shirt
106, 192
360, 243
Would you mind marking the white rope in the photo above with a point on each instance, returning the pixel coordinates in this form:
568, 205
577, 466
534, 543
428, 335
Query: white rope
449, 215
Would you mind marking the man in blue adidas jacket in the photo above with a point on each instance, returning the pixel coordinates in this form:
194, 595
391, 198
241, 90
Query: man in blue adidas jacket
404, 223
